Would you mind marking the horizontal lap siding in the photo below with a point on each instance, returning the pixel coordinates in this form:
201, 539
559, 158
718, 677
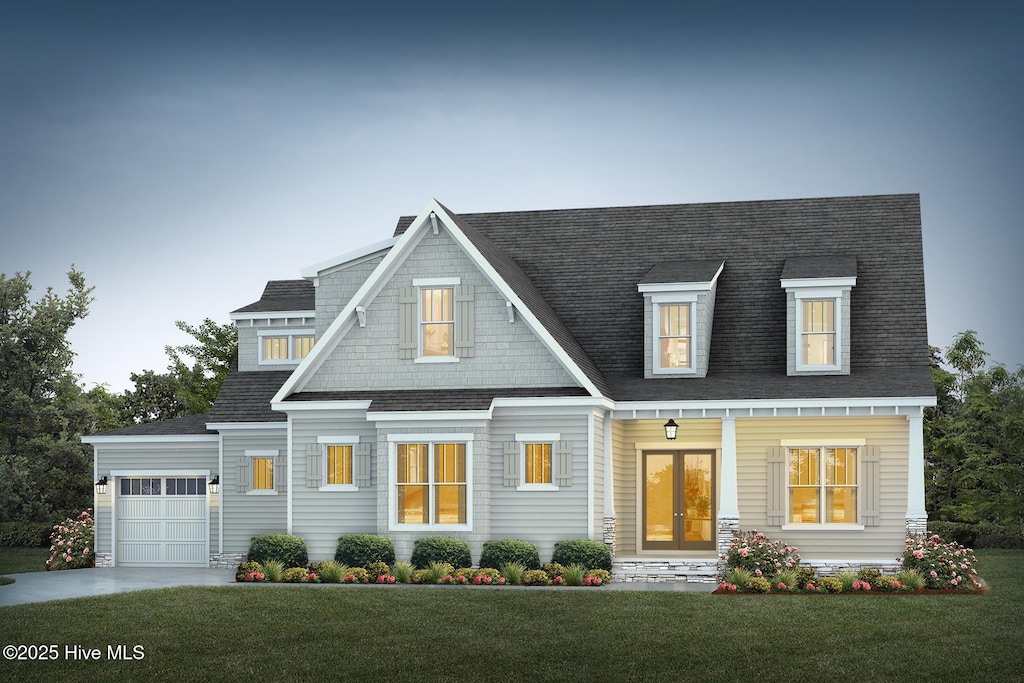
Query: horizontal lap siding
541, 517
153, 458
247, 516
890, 434
626, 434
321, 517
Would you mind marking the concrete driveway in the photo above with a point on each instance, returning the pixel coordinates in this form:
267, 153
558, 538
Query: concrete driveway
78, 583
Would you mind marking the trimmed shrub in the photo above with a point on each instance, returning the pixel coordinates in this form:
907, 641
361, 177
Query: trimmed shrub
25, 534
804, 576
498, 552
553, 569
376, 569
757, 584
246, 568
287, 549
362, 550
421, 576
589, 554
869, 575
831, 584
430, 549
356, 575
294, 575
535, 577
886, 583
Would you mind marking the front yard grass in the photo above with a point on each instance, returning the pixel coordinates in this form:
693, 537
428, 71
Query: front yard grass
261, 632
18, 560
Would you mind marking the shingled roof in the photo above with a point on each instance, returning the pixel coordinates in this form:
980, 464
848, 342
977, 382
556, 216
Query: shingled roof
283, 295
245, 396
584, 266
178, 426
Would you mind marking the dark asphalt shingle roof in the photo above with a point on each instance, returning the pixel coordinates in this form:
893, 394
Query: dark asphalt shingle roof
838, 265
584, 265
283, 295
245, 396
179, 426
681, 272
431, 399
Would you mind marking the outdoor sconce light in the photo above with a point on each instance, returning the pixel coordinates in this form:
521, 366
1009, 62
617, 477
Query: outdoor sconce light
670, 430
101, 485
215, 484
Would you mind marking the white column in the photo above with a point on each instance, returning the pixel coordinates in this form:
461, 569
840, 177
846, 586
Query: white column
609, 479
915, 468
728, 506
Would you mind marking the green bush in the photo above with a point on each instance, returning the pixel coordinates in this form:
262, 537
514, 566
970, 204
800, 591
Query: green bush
294, 575
376, 569
1006, 541
513, 572
553, 569
25, 534
246, 568
605, 576
804, 576
421, 576
884, 583
356, 575
590, 554
787, 578
287, 549
361, 550
467, 572
437, 571
757, 584
869, 575
535, 577
404, 572
831, 584
488, 571
498, 552
738, 576
454, 551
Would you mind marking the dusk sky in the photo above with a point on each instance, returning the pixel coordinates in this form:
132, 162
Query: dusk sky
181, 154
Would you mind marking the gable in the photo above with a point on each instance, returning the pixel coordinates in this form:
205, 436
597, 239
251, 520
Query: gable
505, 354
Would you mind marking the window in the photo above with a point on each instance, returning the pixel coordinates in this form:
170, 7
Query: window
431, 483
285, 346
537, 464
339, 465
674, 335
437, 321
186, 486
822, 485
262, 474
818, 332
140, 486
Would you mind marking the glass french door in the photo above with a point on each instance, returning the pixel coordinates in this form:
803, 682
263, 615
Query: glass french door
678, 500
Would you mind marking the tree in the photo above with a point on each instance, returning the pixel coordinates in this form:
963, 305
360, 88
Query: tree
198, 383
974, 438
43, 467
154, 398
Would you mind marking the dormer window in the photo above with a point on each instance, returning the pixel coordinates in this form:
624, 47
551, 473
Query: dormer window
679, 307
284, 346
818, 314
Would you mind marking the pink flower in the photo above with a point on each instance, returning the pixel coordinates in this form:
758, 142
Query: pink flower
953, 582
501, 580
919, 554
934, 575
744, 552
557, 580
487, 580
757, 572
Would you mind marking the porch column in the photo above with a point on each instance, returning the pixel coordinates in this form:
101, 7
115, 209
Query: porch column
917, 517
608, 523
728, 507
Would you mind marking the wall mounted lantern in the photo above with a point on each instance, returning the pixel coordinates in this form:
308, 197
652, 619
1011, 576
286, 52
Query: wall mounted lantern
101, 485
670, 430
215, 484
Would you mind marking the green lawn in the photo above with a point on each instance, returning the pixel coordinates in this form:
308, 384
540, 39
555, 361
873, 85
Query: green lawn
466, 634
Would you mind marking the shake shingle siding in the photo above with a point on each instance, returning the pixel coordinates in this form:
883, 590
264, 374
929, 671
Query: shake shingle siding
585, 265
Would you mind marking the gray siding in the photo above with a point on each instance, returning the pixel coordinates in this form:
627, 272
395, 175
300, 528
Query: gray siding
336, 287
321, 517
541, 517
506, 354
245, 515
152, 458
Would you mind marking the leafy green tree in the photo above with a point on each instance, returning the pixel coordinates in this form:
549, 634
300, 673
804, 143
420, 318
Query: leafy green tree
44, 469
199, 369
154, 398
974, 438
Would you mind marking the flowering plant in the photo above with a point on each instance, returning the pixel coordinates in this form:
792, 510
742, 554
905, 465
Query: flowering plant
727, 587
860, 585
72, 543
592, 581
759, 555
255, 577
447, 579
385, 578
943, 565
557, 581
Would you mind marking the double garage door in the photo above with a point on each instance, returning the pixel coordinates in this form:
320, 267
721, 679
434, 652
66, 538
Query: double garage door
162, 522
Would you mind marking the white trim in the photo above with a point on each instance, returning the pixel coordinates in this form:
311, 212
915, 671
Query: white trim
261, 492
273, 315
609, 479
245, 426
656, 367
428, 416
125, 439
702, 286
728, 485
591, 533
823, 527
523, 439
220, 496
338, 487
553, 402
288, 469
435, 359
821, 486
819, 282
769, 403
327, 441
430, 440
262, 454
677, 445
915, 467
387, 268
451, 437
298, 406
345, 440
837, 331
369, 250
153, 472
674, 298
434, 282
823, 443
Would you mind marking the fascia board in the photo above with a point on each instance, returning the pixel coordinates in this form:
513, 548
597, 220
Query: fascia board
128, 439
272, 315
314, 406
743, 404
369, 250
796, 283
238, 426
554, 402
336, 331
428, 415
531, 320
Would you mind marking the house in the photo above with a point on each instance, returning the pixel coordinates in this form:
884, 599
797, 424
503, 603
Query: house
653, 377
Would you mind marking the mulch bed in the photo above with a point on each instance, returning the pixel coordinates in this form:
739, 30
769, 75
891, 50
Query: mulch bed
983, 588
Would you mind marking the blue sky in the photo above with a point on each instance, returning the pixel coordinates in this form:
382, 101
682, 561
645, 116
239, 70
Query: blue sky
181, 154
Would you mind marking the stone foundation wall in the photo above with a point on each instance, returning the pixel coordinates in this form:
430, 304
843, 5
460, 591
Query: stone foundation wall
728, 529
104, 559
226, 560
917, 526
690, 570
833, 567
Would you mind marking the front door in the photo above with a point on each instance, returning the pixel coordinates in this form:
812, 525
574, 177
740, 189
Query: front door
678, 500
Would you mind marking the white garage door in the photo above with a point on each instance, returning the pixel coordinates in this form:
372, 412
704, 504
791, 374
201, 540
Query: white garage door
162, 522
